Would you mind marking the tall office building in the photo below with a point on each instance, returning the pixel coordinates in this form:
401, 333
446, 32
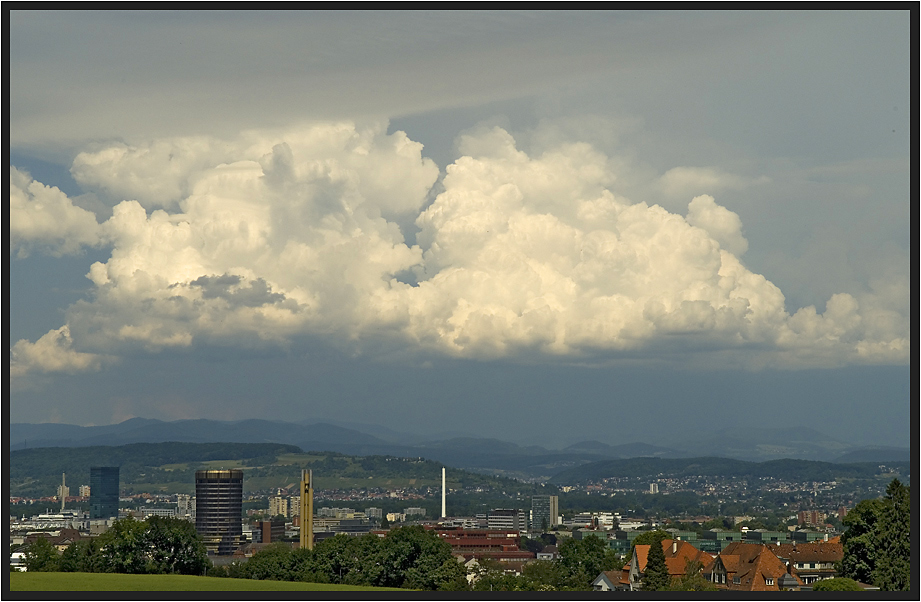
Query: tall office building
544, 511
219, 509
103, 491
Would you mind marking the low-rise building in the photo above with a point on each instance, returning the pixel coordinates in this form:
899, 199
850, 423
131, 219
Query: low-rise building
607, 581
507, 520
677, 556
813, 561
751, 567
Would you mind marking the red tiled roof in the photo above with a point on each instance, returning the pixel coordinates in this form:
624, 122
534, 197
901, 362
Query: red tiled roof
676, 560
677, 555
753, 565
815, 551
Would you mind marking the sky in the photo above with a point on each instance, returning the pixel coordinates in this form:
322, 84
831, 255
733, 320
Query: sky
545, 227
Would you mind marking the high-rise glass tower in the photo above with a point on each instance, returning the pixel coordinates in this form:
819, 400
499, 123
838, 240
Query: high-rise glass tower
103, 491
544, 511
219, 509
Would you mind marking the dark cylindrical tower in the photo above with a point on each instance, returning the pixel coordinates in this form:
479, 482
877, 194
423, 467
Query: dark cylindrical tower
219, 509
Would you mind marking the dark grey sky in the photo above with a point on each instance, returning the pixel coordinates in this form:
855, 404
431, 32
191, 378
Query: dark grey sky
536, 226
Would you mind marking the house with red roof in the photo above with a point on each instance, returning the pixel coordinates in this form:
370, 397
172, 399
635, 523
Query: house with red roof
752, 568
814, 560
678, 554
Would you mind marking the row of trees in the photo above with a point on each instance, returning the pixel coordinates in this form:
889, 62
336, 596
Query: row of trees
877, 543
414, 558
579, 562
156, 545
409, 557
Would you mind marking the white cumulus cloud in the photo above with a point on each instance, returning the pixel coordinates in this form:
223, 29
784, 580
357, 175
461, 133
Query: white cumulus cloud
43, 218
721, 223
53, 352
274, 236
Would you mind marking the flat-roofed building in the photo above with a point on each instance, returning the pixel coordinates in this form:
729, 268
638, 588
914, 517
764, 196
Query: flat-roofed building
507, 519
279, 506
545, 510
103, 492
271, 531
219, 509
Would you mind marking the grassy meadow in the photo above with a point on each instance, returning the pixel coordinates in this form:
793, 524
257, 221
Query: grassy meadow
88, 582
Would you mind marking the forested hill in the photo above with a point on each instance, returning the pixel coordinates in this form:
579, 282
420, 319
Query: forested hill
170, 468
789, 470
32, 471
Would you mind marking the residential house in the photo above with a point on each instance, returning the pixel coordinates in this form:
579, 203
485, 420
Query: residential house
607, 581
751, 567
814, 560
550, 552
61, 540
677, 556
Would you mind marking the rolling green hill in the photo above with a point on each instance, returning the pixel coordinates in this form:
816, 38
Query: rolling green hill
170, 468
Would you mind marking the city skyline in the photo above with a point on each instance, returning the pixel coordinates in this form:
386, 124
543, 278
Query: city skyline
534, 226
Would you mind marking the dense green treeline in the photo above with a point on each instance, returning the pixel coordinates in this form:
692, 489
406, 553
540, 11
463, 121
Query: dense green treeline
409, 557
153, 546
415, 558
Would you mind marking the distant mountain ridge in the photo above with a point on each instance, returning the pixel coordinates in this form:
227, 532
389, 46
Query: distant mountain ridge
626, 450
487, 455
142, 430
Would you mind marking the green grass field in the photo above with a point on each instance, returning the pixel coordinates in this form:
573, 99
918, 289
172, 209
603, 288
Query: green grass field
91, 582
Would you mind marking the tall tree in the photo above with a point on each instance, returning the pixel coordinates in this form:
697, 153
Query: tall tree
272, 562
41, 556
655, 576
123, 548
583, 560
415, 558
893, 540
543, 575
859, 541
650, 537
82, 557
175, 547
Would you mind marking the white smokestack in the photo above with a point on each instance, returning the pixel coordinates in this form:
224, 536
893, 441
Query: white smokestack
443, 504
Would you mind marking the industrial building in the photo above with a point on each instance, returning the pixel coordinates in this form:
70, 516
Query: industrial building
219, 509
103, 492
